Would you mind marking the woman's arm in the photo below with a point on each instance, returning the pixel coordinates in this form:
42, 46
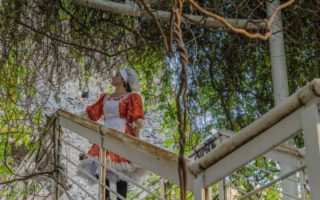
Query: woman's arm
95, 111
136, 116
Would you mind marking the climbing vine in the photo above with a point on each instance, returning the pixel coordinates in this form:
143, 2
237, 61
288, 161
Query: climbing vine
225, 76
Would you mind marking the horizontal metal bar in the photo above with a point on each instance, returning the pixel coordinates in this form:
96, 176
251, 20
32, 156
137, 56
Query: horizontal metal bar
151, 184
144, 154
273, 182
276, 190
286, 194
63, 189
136, 184
94, 179
134, 10
267, 171
285, 157
247, 179
77, 184
91, 177
77, 148
256, 147
81, 151
114, 171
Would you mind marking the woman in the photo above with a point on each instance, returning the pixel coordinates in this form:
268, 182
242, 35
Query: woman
122, 111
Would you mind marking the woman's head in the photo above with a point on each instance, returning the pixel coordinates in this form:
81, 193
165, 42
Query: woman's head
117, 80
126, 77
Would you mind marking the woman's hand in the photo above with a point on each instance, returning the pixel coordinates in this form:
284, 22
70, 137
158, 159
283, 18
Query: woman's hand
137, 126
136, 131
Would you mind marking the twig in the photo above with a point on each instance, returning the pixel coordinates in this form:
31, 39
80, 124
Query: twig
164, 37
241, 30
27, 177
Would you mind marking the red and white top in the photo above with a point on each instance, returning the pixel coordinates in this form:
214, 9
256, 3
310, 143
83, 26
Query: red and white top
119, 113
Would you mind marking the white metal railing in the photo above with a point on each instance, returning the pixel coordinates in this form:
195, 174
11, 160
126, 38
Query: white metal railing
261, 188
300, 113
124, 177
103, 167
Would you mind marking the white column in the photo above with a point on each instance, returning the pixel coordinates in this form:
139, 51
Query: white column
311, 130
280, 84
278, 57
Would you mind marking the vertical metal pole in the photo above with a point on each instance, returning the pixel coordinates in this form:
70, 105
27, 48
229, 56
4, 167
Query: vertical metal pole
207, 193
311, 130
278, 56
198, 189
280, 82
302, 185
222, 183
222, 189
163, 188
198, 194
203, 194
102, 173
56, 153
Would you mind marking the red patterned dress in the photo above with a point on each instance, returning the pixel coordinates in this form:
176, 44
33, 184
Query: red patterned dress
119, 113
